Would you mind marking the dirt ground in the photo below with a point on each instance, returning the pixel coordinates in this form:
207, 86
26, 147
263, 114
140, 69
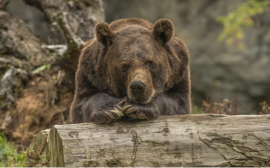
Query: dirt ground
44, 102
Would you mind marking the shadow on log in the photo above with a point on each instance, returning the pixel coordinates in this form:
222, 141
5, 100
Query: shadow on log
187, 140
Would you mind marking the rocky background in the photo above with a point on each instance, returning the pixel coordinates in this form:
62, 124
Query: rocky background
218, 71
40, 41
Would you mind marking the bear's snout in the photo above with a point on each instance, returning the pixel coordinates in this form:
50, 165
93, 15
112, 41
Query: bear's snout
137, 88
140, 88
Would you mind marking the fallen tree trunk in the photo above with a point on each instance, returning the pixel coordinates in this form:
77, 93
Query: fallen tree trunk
187, 140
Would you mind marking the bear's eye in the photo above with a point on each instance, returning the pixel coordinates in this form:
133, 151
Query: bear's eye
150, 64
125, 68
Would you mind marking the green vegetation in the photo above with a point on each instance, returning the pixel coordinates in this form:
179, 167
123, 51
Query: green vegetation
9, 156
196, 110
236, 21
41, 68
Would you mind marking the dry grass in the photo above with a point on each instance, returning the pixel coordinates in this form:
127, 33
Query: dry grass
265, 108
226, 106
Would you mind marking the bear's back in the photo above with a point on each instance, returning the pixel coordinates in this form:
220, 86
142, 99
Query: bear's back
118, 25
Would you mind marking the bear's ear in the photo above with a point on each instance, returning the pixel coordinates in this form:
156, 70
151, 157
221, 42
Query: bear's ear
103, 34
163, 30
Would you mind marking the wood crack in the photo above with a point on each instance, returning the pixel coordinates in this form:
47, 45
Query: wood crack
136, 142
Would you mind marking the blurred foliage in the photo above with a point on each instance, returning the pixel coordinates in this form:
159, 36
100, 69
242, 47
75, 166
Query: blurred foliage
265, 108
196, 110
225, 106
236, 21
41, 68
9, 157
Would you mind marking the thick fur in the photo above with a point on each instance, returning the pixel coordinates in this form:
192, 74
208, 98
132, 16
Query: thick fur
101, 82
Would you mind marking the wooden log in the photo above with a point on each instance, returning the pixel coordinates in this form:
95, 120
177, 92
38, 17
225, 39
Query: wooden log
186, 140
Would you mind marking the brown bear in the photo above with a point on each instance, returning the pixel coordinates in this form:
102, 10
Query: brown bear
133, 69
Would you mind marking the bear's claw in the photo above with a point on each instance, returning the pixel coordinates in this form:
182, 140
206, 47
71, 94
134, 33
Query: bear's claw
113, 115
141, 115
135, 113
123, 109
117, 112
110, 114
132, 110
122, 102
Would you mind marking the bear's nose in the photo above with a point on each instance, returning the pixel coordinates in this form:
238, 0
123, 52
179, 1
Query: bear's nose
137, 88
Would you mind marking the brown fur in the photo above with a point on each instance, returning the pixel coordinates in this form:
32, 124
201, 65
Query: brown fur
131, 50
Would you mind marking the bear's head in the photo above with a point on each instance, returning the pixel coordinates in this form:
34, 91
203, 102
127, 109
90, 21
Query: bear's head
138, 59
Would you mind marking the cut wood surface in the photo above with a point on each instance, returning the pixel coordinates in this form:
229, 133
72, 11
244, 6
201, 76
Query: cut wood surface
186, 140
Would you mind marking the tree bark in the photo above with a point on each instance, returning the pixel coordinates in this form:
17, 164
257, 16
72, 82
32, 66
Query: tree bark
187, 140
